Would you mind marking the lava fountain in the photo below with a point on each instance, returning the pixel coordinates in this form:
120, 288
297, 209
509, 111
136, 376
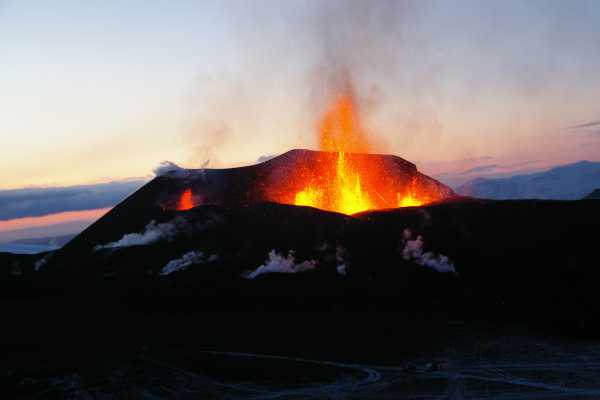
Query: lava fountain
186, 201
344, 175
349, 184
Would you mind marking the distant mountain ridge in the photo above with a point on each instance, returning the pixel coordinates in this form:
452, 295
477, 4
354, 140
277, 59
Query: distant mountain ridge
35, 245
595, 195
58, 241
566, 182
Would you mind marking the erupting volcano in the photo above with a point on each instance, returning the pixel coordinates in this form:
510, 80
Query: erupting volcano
348, 184
343, 176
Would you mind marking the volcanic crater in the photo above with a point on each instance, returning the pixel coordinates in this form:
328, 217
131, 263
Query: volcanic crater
363, 182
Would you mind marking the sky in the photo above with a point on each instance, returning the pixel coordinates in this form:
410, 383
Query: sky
114, 87
97, 91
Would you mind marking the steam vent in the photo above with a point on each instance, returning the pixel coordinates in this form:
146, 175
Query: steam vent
335, 181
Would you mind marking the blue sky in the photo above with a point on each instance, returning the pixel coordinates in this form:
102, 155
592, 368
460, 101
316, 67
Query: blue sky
99, 90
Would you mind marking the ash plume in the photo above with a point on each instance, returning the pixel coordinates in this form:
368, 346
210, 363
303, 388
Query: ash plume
152, 233
186, 260
336, 44
356, 37
277, 263
358, 45
413, 77
412, 250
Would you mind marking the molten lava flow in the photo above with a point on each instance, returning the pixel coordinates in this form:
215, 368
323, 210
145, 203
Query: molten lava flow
340, 131
308, 197
409, 201
411, 198
186, 201
350, 197
343, 193
349, 184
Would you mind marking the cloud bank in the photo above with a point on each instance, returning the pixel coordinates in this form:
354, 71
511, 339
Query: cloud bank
36, 202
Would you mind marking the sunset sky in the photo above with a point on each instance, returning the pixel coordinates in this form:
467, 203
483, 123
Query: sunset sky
102, 90
91, 91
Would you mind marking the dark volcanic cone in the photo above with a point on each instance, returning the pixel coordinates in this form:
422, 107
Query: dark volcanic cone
280, 178
274, 180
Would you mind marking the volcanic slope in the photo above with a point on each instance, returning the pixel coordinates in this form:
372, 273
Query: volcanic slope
461, 252
534, 258
276, 180
235, 187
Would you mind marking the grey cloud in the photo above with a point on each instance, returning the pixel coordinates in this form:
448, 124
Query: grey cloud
591, 124
521, 164
36, 202
481, 168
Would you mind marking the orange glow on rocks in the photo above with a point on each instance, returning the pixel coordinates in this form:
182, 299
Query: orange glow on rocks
186, 201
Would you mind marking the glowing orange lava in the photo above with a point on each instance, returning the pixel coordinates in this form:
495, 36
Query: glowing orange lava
350, 183
340, 128
343, 194
186, 201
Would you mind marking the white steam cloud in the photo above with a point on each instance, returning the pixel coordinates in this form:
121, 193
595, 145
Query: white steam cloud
413, 250
152, 233
168, 168
172, 170
278, 264
340, 258
40, 263
265, 158
188, 259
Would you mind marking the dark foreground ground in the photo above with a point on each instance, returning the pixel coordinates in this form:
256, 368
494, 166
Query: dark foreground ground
63, 351
520, 318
